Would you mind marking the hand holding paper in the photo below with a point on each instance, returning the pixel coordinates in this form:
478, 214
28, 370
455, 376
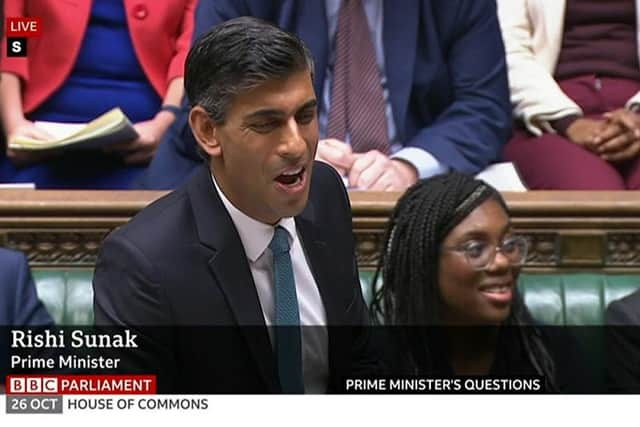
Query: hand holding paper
110, 128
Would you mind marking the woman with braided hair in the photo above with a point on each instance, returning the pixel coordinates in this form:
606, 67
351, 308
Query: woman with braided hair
450, 266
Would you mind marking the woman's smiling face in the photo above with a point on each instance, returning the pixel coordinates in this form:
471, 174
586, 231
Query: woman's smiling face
471, 296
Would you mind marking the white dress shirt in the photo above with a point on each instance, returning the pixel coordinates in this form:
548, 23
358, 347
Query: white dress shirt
255, 237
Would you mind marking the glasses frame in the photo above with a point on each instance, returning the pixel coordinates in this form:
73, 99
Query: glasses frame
495, 249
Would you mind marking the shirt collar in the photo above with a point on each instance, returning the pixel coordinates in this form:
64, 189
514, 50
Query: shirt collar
254, 235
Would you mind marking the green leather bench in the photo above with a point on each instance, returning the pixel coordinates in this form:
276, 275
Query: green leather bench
577, 299
67, 294
554, 299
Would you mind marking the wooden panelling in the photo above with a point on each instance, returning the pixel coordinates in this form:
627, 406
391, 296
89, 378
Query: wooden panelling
581, 231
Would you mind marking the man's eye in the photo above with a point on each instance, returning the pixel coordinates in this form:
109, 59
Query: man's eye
264, 127
305, 118
475, 249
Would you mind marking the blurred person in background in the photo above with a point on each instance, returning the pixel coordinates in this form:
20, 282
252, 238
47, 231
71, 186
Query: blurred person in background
19, 303
92, 56
404, 92
575, 90
623, 345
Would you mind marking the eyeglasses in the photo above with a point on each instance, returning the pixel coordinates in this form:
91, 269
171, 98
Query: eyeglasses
480, 255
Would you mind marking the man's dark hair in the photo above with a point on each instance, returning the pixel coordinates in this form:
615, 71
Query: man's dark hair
409, 294
239, 55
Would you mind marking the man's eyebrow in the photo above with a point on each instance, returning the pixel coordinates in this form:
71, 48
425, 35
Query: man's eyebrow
309, 104
273, 112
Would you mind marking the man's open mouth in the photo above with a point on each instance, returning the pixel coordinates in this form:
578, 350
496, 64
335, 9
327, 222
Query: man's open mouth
291, 177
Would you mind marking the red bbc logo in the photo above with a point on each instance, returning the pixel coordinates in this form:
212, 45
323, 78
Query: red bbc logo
32, 385
23, 26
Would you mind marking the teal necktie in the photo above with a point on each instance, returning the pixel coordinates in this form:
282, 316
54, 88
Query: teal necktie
287, 331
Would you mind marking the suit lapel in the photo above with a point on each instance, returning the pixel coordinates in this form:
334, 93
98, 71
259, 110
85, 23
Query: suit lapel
230, 271
317, 250
399, 37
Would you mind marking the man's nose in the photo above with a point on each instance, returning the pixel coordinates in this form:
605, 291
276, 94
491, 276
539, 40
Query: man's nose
293, 144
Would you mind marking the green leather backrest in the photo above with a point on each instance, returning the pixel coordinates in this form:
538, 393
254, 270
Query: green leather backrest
67, 294
553, 299
578, 299
574, 299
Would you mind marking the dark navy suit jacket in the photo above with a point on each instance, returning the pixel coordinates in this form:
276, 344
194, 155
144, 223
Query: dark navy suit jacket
623, 345
19, 303
179, 275
445, 67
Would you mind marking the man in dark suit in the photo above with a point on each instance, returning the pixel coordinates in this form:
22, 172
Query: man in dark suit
256, 251
19, 303
623, 345
441, 77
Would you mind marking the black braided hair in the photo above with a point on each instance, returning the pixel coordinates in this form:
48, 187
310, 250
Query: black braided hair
408, 264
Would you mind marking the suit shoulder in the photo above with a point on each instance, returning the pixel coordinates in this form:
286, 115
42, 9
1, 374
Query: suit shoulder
327, 187
625, 310
159, 224
13, 263
11, 257
325, 178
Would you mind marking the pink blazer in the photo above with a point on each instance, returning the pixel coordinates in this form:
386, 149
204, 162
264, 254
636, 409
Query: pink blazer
161, 32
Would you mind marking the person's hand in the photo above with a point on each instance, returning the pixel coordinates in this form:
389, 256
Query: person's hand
620, 140
26, 128
584, 132
150, 132
377, 172
336, 153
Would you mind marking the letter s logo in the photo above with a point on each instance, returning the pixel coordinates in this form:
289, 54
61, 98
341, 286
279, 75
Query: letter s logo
17, 46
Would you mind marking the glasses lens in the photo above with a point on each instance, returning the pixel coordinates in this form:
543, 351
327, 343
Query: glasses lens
478, 254
515, 249
481, 254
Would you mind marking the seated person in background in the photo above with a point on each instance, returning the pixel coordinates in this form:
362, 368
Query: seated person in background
19, 303
575, 82
404, 92
258, 243
91, 57
450, 272
623, 345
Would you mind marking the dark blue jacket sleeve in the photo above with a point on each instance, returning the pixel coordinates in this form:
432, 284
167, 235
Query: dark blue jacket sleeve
470, 133
20, 306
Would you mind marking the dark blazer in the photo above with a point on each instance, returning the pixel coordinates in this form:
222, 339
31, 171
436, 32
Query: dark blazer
180, 262
19, 303
445, 67
623, 345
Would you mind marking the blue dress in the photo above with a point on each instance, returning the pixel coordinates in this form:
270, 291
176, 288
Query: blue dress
106, 74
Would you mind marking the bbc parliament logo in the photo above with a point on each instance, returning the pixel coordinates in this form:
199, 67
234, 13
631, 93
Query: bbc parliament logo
18, 30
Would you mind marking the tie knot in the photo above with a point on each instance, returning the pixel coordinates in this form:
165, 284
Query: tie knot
280, 241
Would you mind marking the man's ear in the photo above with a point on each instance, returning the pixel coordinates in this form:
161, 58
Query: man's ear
204, 131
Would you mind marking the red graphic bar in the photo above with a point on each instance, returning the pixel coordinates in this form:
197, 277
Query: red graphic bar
23, 26
81, 384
